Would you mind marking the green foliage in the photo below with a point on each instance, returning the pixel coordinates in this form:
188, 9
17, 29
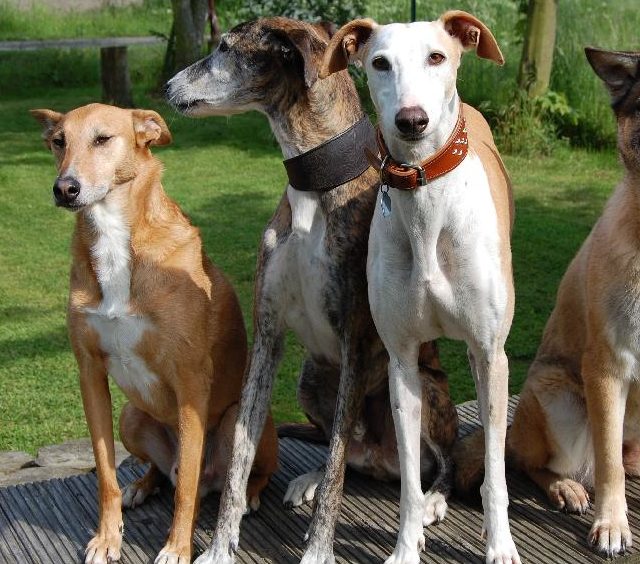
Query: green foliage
308, 10
530, 127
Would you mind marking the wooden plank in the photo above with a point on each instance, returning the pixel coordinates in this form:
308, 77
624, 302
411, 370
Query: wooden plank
32, 517
102, 42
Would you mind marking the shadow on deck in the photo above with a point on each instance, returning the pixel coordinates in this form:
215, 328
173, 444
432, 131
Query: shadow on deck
50, 522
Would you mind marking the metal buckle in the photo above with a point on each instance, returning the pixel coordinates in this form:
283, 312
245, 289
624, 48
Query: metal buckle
422, 177
382, 165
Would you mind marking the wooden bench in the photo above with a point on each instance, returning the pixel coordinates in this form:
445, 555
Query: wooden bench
116, 82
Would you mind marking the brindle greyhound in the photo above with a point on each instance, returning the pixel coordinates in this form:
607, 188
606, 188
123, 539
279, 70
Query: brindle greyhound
311, 278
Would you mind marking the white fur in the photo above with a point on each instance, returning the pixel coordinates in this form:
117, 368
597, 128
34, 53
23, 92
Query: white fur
435, 269
303, 488
297, 273
118, 328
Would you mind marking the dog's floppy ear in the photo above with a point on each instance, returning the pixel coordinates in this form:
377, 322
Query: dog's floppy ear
48, 119
618, 70
473, 34
150, 128
345, 44
307, 44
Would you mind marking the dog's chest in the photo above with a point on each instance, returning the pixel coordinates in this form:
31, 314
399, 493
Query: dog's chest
300, 275
435, 262
119, 330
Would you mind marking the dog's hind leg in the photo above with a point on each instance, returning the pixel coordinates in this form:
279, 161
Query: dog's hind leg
491, 371
317, 395
149, 441
439, 432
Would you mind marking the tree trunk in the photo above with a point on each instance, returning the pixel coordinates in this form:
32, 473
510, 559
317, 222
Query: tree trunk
116, 83
187, 35
539, 42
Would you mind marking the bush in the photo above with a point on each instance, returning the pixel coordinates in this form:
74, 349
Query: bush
308, 10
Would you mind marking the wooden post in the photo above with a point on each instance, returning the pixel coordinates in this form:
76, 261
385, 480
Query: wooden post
116, 83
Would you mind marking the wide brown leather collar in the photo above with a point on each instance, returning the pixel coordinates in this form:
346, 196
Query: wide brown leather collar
409, 177
334, 162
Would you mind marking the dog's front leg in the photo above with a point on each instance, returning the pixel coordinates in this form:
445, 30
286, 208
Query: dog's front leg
606, 387
320, 535
405, 389
96, 399
192, 416
491, 373
254, 405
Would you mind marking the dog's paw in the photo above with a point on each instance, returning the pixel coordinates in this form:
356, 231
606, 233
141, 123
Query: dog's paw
502, 552
253, 504
435, 508
104, 548
134, 494
610, 536
173, 555
302, 489
316, 554
570, 496
219, 552
405, 553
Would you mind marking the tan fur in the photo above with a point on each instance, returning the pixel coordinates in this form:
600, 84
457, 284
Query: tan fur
196, 345
577, 424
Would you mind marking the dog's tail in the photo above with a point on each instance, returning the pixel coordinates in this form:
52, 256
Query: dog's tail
468, 458
304, 431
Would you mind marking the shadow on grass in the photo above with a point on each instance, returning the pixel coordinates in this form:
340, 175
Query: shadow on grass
44, 344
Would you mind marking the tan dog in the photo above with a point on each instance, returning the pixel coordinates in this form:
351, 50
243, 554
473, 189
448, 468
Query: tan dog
147, 307
571, 428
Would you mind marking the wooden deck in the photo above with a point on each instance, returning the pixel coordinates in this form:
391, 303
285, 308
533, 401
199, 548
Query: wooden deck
50, 522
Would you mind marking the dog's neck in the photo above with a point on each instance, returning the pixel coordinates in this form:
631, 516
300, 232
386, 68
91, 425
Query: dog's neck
415, 152
120, 227
315, 115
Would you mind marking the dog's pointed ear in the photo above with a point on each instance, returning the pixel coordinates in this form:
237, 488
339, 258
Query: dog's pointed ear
345, 45
473, 34
150, 128
616, 69
48, 119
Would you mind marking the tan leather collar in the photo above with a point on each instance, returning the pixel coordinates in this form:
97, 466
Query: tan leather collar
409, 177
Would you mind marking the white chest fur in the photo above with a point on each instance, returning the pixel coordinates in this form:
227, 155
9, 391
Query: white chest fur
299, 274
434, 263
119, 330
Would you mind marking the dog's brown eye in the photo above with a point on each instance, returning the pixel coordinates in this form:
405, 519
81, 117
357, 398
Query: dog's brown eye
58, 142
101, 139
436, 58
381, 64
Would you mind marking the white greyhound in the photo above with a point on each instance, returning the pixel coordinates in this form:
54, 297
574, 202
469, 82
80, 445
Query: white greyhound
439, 260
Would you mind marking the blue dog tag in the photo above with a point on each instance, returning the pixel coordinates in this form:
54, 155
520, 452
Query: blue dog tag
385, 201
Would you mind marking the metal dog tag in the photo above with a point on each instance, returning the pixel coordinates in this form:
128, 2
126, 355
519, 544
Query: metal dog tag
385, 201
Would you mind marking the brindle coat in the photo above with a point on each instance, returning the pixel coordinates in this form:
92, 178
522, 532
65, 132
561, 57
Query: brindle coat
312, 261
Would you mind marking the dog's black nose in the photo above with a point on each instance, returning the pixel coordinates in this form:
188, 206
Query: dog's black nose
66, 190
412, 121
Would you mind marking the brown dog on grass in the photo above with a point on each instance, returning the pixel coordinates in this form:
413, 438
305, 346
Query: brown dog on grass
149, 308
577, 424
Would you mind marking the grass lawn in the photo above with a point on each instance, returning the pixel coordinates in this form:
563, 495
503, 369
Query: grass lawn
227, 175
